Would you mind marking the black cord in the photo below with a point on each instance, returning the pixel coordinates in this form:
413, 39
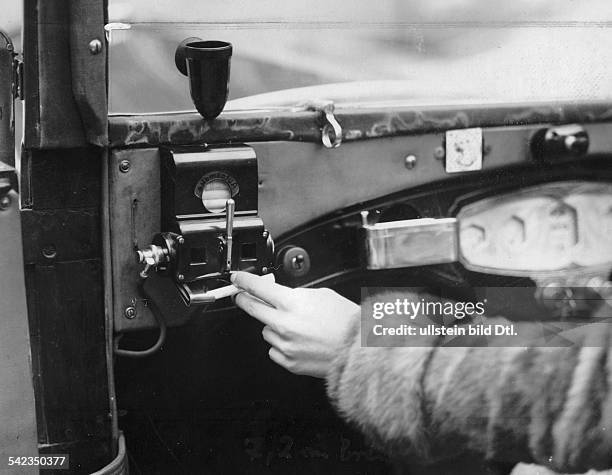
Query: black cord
162, 331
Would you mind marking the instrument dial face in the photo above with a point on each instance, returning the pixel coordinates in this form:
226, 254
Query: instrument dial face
562, 226
513, 234
215, 194
214, 189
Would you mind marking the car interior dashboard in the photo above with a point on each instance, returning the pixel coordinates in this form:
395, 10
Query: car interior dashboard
455, 198
131, 224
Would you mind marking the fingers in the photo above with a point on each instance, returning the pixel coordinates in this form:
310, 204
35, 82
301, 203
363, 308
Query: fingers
256, 308
280, 359
273, 338
264, 288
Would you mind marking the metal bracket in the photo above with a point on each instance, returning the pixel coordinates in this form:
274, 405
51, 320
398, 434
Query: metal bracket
18, 79
331, 131
109, 27
409, 243
464, 150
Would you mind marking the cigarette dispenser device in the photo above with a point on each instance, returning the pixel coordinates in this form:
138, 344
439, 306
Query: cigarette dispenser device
210, 220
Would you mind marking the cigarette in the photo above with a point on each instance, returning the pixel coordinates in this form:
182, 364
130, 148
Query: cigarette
229, 290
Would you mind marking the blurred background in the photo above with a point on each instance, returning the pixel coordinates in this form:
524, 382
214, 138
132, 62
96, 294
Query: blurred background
424, 51
420, 51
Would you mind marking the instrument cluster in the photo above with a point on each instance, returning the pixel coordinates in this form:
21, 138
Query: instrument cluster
558, 227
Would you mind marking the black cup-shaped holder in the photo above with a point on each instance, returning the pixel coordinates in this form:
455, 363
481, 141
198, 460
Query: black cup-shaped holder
207, 64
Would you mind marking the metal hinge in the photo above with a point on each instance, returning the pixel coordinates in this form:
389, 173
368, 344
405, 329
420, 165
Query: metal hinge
17, 78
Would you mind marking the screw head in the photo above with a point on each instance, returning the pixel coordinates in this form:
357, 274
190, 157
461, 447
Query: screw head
95, 46
265, 234
439, 153
180, 277
5, 202
410, 161
264, 270
181, 240
130, 313
124, 166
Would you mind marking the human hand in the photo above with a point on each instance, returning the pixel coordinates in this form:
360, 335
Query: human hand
306, 327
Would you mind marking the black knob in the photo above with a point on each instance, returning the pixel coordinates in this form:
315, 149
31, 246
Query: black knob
565, 141
295, 261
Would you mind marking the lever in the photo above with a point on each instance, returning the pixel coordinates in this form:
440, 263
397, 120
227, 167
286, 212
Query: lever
230, 207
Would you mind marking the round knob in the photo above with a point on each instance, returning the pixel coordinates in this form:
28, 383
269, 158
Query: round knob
295, 261
563, 141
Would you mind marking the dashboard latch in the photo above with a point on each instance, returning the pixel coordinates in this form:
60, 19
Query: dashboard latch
331, 131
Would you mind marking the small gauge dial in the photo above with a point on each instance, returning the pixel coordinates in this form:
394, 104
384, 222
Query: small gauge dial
215, 194
562, 227
513, 234
214, 189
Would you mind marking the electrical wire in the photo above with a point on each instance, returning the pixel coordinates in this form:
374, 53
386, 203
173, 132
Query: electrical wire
162, 331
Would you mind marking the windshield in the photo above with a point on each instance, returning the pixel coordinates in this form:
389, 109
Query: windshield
429, 51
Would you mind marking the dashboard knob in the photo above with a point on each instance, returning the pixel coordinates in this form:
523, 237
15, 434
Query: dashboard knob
560, 142
295, 261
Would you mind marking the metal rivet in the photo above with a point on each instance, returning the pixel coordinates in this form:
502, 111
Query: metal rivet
95, 46
180, 277
410, 162
265, 234
264, 270
5, 202
49, 252
439, 153
130, 313
124, 166
181, 240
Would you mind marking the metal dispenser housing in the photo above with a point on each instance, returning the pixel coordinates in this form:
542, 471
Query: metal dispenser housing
210, 219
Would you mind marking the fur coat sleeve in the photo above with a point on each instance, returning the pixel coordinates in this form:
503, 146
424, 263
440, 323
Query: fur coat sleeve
543, 405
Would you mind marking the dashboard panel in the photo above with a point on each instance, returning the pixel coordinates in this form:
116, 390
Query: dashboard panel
312, 200
304, 189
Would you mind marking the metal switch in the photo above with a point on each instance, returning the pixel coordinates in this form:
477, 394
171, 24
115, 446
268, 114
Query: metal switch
230, 208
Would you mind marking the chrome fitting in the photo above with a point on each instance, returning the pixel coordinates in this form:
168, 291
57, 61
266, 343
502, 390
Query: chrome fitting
331, 132
151, 257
